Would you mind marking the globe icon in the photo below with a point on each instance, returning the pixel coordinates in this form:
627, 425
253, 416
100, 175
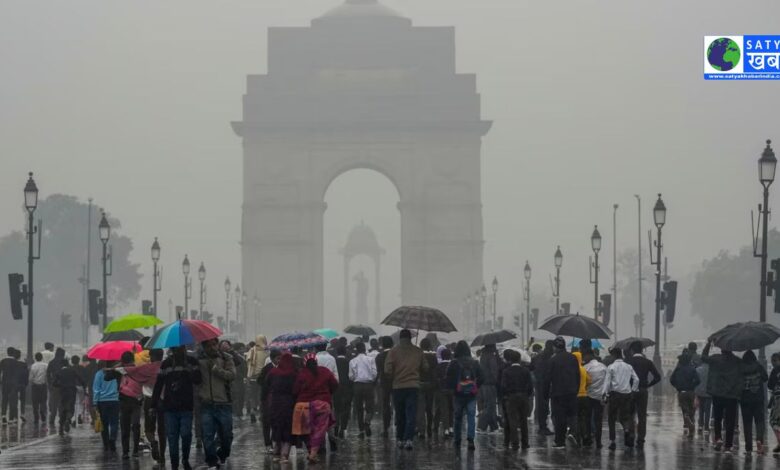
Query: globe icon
723, 54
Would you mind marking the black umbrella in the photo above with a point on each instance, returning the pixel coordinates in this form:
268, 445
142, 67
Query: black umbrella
744, 336
360, 330
494, 337
625, 343
129, 335
420, 318
576, 326
397, 336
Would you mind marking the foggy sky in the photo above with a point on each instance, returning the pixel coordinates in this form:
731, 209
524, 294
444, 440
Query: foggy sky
592, 102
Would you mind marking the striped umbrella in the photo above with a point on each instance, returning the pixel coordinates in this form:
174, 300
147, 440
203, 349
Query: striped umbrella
182, 333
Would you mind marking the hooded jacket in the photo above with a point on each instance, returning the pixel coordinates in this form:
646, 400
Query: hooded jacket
725, 374
216, 374
584, 377
256, 357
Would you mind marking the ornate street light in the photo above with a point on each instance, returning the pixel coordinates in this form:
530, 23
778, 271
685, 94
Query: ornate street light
767, 165
185, 269
558, 258
595, 244
527, 276
156, 276
31, 203
104, 231
202, 297
659, 218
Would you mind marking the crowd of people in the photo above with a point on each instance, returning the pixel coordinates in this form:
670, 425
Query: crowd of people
310, 399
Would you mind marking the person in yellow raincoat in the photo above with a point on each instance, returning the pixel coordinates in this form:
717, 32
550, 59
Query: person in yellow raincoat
583, 405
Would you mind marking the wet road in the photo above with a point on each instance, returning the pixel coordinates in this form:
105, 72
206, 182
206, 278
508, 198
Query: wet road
665, 449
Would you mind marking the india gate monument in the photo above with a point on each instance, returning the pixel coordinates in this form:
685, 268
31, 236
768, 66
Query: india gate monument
360, 88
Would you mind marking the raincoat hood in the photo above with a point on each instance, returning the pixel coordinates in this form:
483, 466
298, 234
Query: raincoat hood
261, 341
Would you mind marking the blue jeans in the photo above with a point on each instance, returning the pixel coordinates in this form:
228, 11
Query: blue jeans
217, 422
178, 425
109, 416
405, 401
469, 405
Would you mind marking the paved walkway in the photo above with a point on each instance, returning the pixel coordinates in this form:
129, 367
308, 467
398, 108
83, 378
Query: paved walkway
665, 449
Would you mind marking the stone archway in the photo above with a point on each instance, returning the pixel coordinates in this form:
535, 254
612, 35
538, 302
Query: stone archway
360, 88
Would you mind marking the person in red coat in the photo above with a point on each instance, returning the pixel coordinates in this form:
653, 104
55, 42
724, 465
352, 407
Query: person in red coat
312, 415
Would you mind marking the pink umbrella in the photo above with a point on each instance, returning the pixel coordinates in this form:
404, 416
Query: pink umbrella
113, 350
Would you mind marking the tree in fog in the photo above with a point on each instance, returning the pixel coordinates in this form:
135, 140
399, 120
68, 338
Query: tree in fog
63, 254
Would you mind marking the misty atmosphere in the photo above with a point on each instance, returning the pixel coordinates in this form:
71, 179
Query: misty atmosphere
274, 140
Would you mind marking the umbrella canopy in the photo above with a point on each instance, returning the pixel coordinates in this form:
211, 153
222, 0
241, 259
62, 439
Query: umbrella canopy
494, 337
420, 318
328, 333
297, 339
594, 343
397, 336
132, 321
113, 350
129, 335
625, 343
575, 325
360, 330
182, 333
744, 336
435, 340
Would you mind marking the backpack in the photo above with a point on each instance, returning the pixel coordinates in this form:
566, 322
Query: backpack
466, 385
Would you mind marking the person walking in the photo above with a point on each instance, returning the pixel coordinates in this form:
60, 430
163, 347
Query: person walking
265, 396
385, 384
38, 389
774, 403
597, 373
342, 397
54, 365
725, 383
751, 403
648, 376
695, 357
9, 380
19, 393
280, 383
105, 396
583, 402
620, 384
540, 365
487, 399
703, 397
517, 388
464, 378
563, 384
154, 419
237, 384
425, 398
443, 401
362, 373
404, 364
685, 380
173, 395
255, 361
217, 370
312, 415
130, 403
65, 381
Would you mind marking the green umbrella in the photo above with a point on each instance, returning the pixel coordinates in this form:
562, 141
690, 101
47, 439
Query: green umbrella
131, 322
329, 333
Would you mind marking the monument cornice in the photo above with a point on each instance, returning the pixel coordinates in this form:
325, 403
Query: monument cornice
244, 129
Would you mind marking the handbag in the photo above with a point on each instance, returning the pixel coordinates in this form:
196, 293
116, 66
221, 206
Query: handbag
98, 424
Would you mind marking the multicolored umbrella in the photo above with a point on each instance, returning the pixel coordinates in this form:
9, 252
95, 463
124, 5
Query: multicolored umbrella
129, 335
112, 351
328, 333
420, 318
182, 333
132, 321
297, 339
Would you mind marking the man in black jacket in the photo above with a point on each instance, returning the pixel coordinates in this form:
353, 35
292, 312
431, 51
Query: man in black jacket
516, 389
644, 369
174, 395
65, 381
540, 365
725, 382
563, 383
54, 366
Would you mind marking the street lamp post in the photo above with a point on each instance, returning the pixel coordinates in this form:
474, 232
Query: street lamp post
185, 269
614, 266
483, 296
641, 316
156, 276
767, 165
659, 218
227, 304
202, 296
238, 304
527, 276
256, 302
558, 263
31, 203
595, 244
495, 292
104, 230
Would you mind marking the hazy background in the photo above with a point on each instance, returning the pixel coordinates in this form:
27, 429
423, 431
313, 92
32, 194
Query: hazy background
592, 102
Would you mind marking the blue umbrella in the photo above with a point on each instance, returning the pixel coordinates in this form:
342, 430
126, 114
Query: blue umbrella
575, 343
183, 332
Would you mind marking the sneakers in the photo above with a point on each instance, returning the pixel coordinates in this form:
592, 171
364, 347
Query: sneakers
718, 446
612, 445
572, 440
